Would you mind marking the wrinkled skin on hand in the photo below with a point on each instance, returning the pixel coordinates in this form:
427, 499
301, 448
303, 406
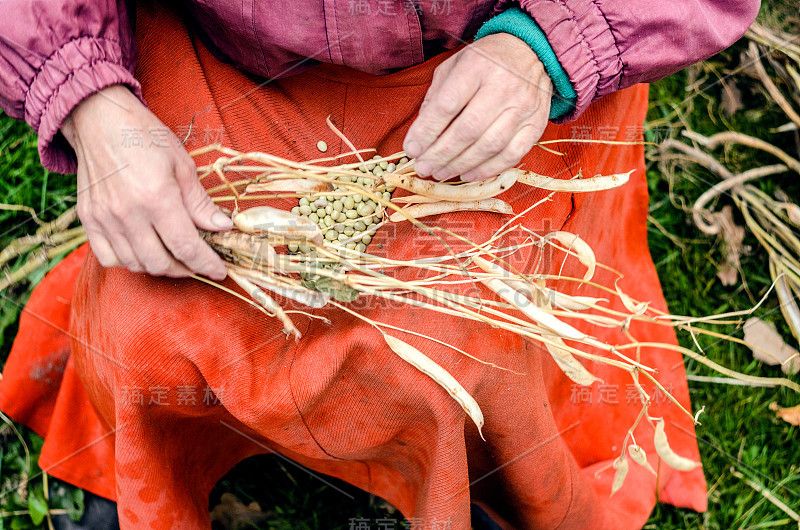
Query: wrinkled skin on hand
487, 106
140, 205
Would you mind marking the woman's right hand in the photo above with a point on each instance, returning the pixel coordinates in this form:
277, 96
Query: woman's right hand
140, 205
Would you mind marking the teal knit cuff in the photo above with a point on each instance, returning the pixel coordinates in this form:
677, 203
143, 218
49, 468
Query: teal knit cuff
517, 22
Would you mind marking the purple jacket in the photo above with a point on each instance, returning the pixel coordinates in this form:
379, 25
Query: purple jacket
54, 53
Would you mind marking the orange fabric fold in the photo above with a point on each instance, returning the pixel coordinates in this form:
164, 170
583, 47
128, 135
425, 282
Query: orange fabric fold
148, 390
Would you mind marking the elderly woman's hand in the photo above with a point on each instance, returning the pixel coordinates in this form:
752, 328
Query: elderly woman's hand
140, 202
488, 104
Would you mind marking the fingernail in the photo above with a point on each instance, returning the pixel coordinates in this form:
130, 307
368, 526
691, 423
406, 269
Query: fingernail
443, 174
423, 169
413, 149
220, 220
469, 176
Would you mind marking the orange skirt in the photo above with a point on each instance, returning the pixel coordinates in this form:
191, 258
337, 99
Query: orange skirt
161, 386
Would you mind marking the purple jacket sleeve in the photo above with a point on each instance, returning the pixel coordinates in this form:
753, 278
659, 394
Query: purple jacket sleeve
607, 45
53, 54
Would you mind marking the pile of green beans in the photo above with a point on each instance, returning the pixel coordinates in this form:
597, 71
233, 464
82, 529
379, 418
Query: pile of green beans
349, 220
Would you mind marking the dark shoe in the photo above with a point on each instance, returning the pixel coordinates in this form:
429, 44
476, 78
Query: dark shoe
98, 514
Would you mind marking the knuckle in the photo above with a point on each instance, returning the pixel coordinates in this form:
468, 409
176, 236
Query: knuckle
467, 134
151, 190
439, 72
132, 265
520, 113
184, 249
157, 266
472, 116
446, 102
101, 215
493, 144
84, 211
119, 211
441, 152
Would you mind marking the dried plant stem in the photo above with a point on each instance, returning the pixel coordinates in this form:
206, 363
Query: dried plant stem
48, 234
773, 90
725, 381
731, 137
721, 187
783, 42
767, 494
40, 260
699, 157
20, 208
763, 381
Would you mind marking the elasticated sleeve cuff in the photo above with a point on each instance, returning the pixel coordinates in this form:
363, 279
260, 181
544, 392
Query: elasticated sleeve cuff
78, 69
517, 22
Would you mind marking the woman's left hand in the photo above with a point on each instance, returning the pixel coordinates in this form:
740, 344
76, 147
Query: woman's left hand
486, 107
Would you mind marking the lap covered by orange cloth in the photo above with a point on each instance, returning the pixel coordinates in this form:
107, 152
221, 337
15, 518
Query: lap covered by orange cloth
148, 390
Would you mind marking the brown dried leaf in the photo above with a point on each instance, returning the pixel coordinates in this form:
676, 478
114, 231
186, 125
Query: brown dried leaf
772, 349
731, 98
232, 514
732, 238
789, 414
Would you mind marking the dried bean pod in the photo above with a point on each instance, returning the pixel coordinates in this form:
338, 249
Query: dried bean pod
440, 207
265, 219
666, 453
425, 364
621, 465
571, 367
638, 455
580, 247
577, 185
442, 191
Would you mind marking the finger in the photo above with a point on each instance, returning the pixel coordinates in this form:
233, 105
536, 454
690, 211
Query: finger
468, 127
201, 208
444, 103
492, 142
439, 75
153, 255
177, 230
102, 250
125, 254
518, 147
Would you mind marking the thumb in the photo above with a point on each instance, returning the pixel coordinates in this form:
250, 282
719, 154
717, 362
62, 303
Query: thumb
201, 208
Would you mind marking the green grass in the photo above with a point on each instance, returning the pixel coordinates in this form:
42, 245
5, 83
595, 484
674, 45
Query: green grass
739, 439
23, 181
739, 435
